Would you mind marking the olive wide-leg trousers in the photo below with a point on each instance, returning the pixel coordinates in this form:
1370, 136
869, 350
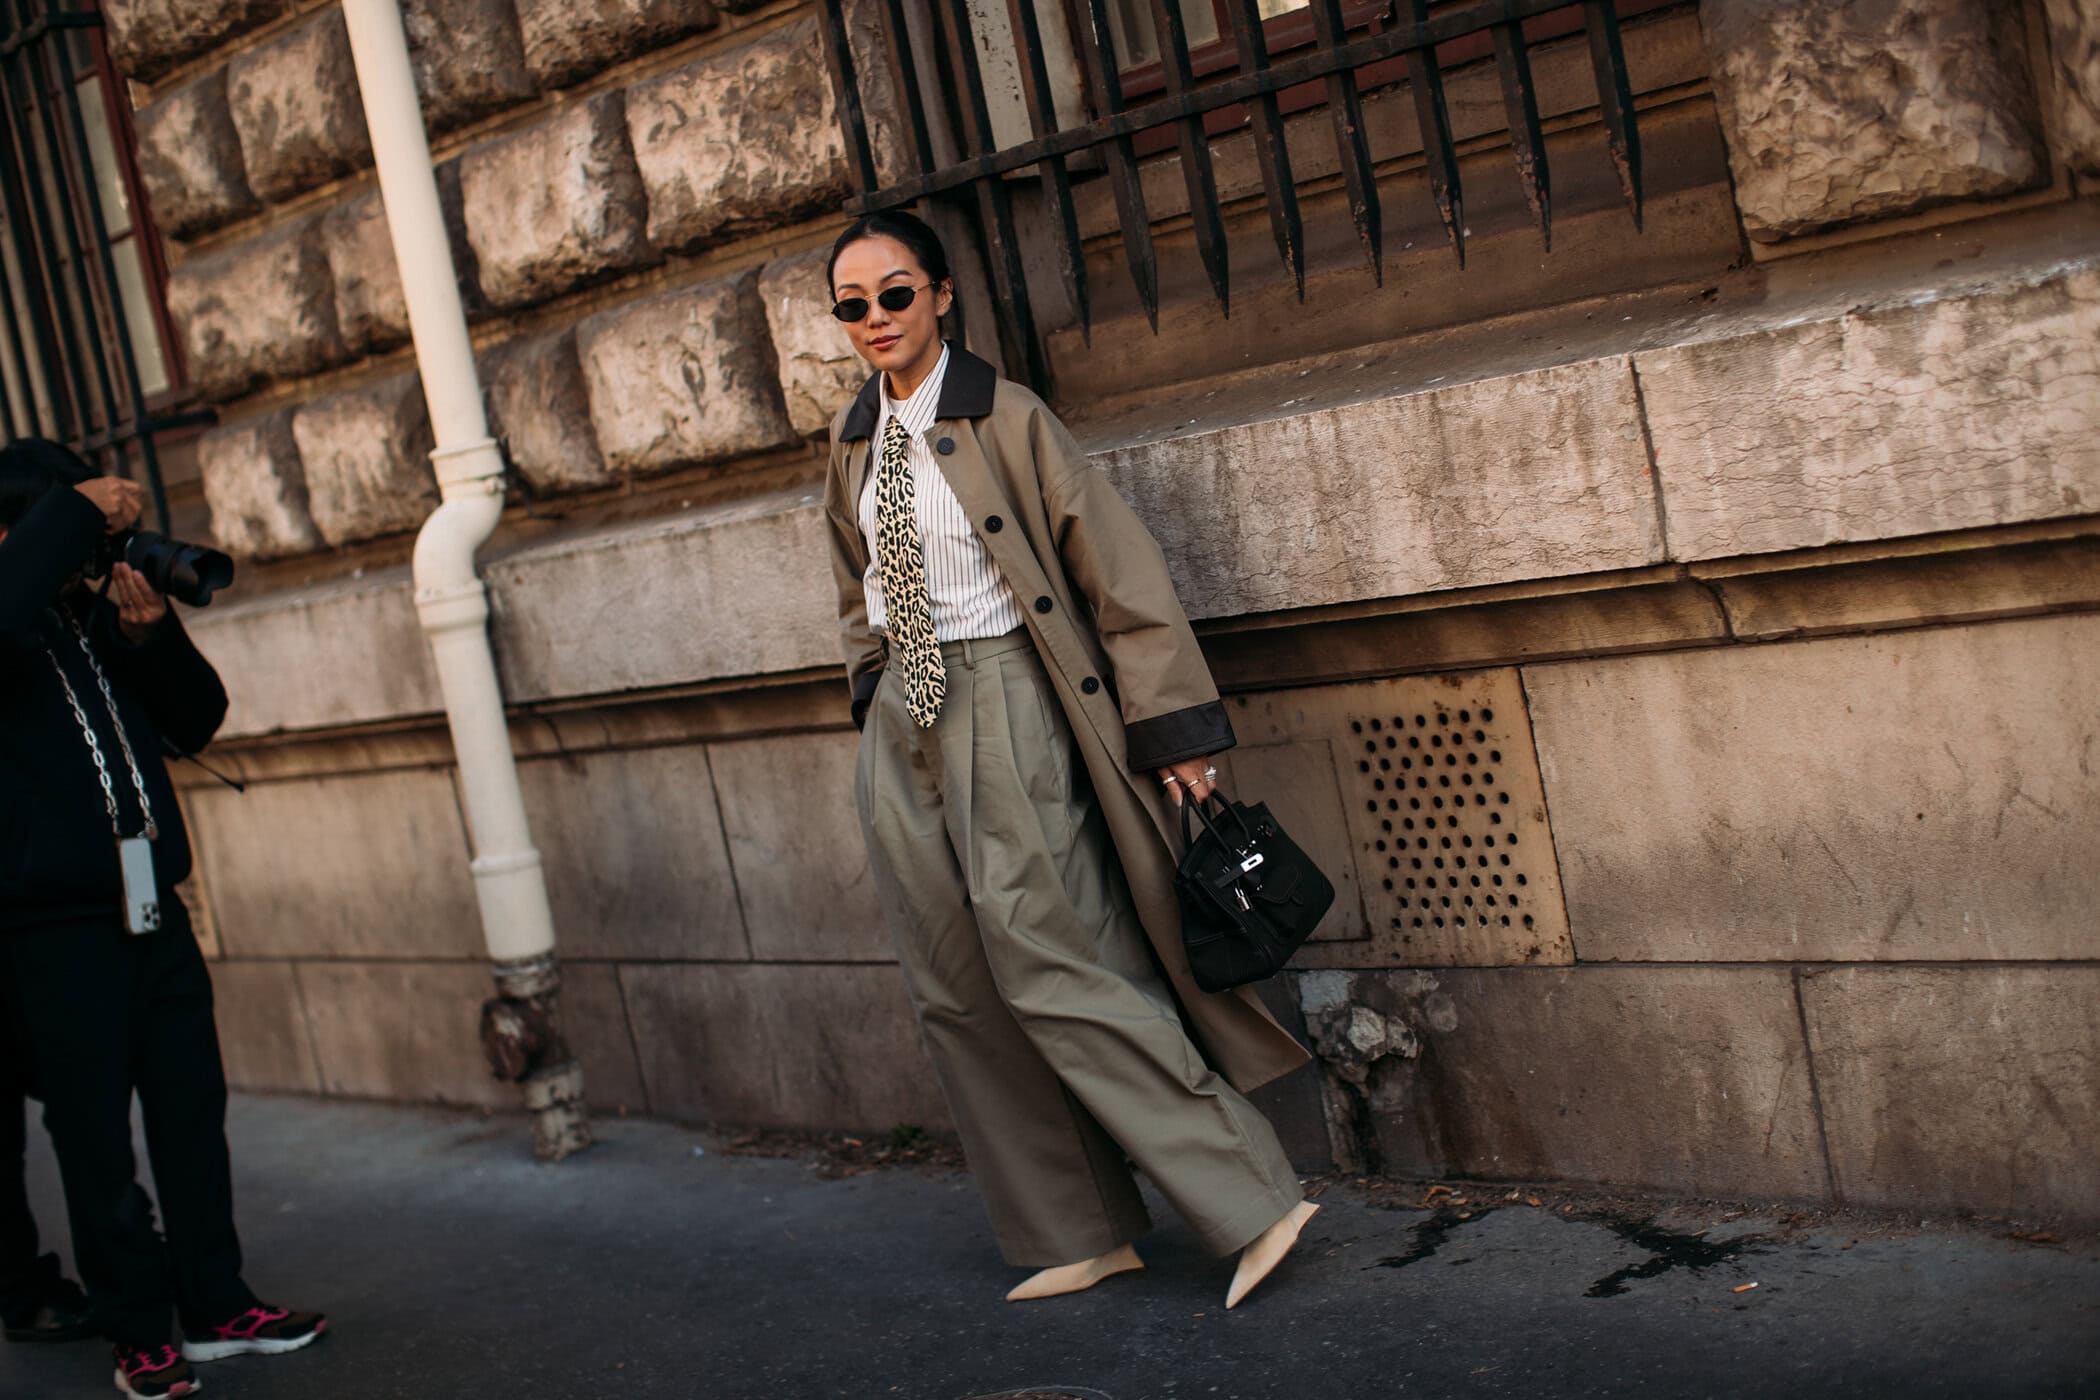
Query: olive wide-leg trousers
1053, 1034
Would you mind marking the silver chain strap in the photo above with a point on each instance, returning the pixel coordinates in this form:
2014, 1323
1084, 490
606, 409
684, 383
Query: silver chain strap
87, 731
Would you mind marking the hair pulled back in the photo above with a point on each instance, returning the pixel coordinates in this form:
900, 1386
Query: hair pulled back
913, 232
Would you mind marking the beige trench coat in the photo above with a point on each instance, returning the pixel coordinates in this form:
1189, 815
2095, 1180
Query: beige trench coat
1111, 633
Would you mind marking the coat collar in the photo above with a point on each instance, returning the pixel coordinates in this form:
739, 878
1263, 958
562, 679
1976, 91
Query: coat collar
966, 392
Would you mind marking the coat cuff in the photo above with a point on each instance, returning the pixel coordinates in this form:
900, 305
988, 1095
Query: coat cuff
864, 695
1164, 740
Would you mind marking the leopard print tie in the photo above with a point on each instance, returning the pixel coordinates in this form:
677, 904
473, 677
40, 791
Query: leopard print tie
917, 650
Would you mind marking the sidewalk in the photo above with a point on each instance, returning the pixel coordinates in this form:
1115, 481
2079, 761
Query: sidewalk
657, 1266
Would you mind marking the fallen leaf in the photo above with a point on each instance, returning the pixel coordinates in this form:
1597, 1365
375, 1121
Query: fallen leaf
1533, 1201
2037, 1237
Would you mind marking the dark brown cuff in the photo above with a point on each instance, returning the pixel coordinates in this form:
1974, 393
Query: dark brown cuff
1164, 740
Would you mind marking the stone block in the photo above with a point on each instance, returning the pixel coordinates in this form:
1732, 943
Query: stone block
1911, 795
594, 1020
635, 861
1974, 1088
468, 58
403, 1031
784, 1046
372, 865
263, 309
743, 139
795, 840
1689, 1080
556, 206
1973, 408
683, 378
757, 569
1837, 112
295, 104
1534, 475
256, 486
262, 1028
564, 42
148, 37
818, 368
320, 656
541, 412
371, 310
2074, 60
190, 159
367, 455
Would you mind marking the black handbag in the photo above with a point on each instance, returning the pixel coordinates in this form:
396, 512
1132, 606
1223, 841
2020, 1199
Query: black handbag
1248, 895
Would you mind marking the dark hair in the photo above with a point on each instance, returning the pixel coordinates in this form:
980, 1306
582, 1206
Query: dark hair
29, 467
908, 229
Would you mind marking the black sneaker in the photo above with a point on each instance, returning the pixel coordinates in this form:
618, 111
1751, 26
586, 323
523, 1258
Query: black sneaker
50, 1308
153, 1373
260, 1331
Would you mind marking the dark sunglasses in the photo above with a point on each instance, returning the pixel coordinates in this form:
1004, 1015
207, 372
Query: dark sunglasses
892, 299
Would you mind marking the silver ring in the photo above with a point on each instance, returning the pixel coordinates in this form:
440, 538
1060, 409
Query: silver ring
1169, 781
1210, 775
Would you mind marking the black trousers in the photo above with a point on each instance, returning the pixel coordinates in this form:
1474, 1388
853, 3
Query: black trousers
103, 1014
18, 1240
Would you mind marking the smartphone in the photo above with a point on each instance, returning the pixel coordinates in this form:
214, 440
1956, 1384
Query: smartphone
141, 886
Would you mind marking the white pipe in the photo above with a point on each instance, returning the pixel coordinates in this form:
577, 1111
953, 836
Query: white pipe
450, 598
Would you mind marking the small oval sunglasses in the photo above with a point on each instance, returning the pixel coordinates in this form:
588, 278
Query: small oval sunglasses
892, 299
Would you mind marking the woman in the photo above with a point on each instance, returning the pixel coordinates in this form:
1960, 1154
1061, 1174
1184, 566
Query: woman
1031, 698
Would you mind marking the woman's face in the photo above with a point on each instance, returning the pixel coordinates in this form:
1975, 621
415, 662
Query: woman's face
904, 343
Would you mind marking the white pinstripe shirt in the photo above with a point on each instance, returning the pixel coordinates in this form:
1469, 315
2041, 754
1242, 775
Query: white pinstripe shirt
970, 597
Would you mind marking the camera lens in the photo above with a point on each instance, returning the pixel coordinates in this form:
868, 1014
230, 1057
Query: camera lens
187, 572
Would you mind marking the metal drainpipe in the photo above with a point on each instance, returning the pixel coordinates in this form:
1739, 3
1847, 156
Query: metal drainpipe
521, 1027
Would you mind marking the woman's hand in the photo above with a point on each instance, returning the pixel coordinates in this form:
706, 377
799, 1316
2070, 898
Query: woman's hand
139, 608
1195, 776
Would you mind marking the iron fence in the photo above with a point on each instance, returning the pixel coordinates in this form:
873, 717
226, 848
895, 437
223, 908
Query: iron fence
1409, 31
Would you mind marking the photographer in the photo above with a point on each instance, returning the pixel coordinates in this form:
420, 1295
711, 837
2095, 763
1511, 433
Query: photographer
107, 992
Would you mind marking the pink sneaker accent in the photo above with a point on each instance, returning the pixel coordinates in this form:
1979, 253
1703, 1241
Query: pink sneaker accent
244, 1327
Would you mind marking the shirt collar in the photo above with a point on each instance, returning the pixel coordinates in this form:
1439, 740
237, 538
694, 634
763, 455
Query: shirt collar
918, 412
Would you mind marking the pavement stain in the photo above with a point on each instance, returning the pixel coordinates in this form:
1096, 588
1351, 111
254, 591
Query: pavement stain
1430, 1235
1667, 1250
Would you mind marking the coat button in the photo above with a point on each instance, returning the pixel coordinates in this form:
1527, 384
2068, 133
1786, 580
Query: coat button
1090, 685
945, 446
1042, 605
993, 525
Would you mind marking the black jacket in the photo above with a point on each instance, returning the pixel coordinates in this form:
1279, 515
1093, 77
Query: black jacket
58, 856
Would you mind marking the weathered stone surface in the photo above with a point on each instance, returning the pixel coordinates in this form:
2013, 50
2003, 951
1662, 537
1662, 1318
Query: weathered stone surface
296, 106
757, 570
1969, 408
190, 159
367, 455
371, 310
795, 839
256, 486
635, 862
1913, 795
740, 140
683, 378
540, 411
594, 1020
1971, 1087
264, 309
262, 1028
148, 37
819, 370
373, 866
2074, 54
468, 58
564, 42
1533, 475
406, 1031
338, 653
769, 1045
1692, 1080
1836, 111
556, 206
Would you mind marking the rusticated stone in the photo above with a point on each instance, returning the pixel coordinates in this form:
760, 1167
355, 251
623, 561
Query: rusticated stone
557, 206
739, 140
296, 106
683, 378
818, 367
1837, 111
452, 203
264, 309
565, 41
190, 159
148, 37
256, 487
371, 310
367, 455
2074, 55
539, 409
468, 58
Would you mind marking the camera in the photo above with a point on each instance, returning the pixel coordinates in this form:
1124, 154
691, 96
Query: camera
187, 572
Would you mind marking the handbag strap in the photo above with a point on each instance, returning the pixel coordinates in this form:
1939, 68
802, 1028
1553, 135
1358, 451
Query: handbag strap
1217, 795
